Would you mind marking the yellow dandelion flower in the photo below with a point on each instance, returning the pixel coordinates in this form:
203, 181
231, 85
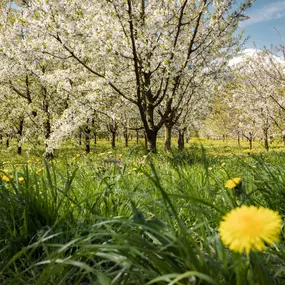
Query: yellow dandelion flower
232, 183
5, 178
247, 228
223, 164
247, 151
210, 168
21, 179
40, 170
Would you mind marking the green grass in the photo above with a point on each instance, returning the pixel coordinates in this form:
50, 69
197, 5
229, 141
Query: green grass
124, 217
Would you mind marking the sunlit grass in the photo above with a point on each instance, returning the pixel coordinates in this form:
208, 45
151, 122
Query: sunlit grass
123, 216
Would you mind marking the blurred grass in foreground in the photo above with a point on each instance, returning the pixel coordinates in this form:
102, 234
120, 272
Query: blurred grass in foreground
124, 217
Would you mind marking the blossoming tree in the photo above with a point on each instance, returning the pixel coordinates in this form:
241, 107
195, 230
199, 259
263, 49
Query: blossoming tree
254, 95
147, 52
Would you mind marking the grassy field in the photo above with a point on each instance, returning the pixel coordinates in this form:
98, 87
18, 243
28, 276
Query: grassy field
123, 216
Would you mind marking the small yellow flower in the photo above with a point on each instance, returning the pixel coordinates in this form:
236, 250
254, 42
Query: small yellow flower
232, 183
210, 168
21, 179
40, 170
247, 228
247, 151
223, 164
11, 176
5, 178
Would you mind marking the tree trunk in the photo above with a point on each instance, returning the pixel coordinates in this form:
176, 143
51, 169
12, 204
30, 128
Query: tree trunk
20, 133
87, 142
113, 141
126, 136
7, 142
151, 141
19, 149
112, 127
250, 143
168, 131
137, 136
46, 123
181, 142
238, 139
47, 127
87, 132
145, 141
266, 143
95, 138
249, 139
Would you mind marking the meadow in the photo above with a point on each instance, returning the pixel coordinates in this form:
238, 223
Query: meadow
124, 216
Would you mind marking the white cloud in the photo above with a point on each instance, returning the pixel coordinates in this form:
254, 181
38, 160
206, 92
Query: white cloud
268, 12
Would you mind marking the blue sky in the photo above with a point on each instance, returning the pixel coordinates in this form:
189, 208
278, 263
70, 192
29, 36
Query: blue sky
266, 16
